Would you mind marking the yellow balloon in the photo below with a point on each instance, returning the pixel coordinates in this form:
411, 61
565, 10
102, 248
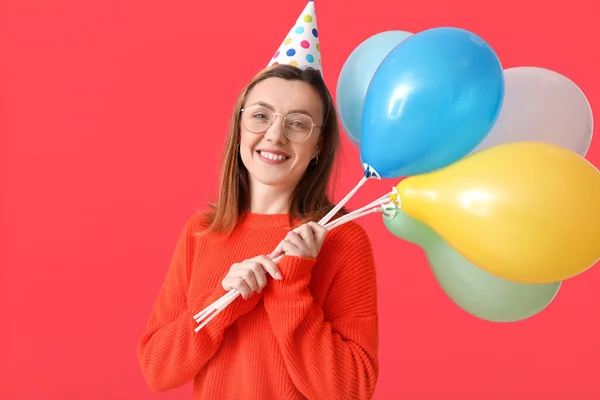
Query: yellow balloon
527, 211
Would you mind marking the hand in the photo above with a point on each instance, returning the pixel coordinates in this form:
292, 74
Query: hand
304, 241
250, 276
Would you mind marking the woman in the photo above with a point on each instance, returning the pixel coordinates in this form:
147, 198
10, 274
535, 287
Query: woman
305, 328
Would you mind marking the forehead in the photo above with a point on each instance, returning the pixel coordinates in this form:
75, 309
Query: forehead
285, 96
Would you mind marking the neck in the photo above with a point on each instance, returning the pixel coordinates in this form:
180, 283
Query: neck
267, 199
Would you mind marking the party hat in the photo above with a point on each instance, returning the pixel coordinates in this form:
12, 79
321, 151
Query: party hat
301, 45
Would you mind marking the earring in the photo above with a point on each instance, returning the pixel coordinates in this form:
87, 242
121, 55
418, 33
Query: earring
314, 161
239, 146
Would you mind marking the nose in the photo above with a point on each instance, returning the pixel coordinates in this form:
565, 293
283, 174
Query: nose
275, 133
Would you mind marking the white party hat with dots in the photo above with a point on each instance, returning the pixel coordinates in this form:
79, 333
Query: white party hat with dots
301, 45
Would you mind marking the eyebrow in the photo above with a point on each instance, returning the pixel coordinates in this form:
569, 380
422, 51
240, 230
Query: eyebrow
270, 107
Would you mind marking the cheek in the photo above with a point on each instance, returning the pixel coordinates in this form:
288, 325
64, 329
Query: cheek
303, 154
306, 151
247, 142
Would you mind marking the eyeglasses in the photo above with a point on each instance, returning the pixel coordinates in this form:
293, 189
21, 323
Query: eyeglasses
297, 127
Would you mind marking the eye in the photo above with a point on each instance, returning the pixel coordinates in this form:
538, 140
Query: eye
260, 116
298, 124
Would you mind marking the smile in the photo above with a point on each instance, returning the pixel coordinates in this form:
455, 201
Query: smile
272, 158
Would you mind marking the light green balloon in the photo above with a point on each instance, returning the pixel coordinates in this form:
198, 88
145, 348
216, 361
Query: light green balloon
474, 290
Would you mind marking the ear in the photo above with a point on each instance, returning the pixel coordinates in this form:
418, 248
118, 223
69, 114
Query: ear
316, 153
317, 149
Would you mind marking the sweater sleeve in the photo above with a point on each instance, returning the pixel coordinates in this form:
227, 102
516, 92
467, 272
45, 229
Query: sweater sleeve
330, 352
170, 353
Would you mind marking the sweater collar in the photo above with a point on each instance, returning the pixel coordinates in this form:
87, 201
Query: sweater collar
253, 220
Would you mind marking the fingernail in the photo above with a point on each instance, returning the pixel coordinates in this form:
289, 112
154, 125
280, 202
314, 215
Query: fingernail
278, 275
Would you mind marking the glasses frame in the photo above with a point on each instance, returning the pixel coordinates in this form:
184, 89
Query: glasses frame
272, 121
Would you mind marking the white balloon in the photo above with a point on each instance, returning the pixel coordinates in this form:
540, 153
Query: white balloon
543, 106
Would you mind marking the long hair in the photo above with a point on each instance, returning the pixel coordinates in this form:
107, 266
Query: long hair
310, 199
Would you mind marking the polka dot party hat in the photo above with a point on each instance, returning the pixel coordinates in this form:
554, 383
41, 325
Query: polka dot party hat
301, 45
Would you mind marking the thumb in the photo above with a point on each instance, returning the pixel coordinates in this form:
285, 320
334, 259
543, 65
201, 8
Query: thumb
277, 252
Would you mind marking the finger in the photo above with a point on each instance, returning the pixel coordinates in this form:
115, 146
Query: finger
317, 228
243, 288
320, 232
307, 234
270, 267
229, 282
290, 249
277, 252
226, 283
276, 255
259, 275
237, 283
296, 240
248, 276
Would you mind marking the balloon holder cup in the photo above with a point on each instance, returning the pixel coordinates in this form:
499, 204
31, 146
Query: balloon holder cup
370, 172
389, 210
394, 197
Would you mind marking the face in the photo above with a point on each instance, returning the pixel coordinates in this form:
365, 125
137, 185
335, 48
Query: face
270, 156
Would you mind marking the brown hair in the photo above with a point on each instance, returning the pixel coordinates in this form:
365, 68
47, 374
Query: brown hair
310, 200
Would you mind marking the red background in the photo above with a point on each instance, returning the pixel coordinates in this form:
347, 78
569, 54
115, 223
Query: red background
112, 118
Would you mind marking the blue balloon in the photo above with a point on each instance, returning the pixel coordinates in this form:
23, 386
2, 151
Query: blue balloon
356, 75
432, 100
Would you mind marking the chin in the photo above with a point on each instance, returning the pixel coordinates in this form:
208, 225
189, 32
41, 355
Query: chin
273, 180
284, 176
270, 176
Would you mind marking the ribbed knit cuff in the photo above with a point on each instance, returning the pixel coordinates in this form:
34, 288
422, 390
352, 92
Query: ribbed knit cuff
296, 268
296, 273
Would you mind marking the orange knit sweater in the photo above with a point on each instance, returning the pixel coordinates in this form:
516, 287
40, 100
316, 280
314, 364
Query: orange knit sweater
311, 335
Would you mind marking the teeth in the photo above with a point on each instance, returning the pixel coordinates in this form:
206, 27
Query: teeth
271, 156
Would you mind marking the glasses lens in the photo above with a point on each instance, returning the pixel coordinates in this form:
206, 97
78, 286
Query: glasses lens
257, 119
298, 127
